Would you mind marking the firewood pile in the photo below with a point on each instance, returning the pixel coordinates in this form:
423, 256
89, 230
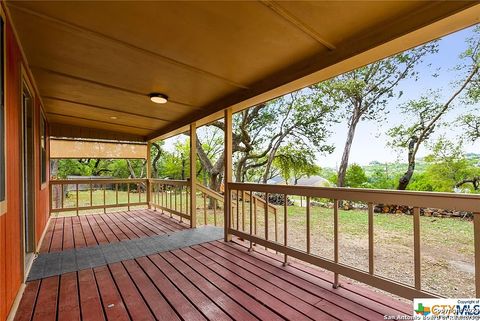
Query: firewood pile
435, 212
275, 199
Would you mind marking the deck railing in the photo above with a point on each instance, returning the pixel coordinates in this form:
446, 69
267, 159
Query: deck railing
78, 195
172, 196
210, 208
415, 200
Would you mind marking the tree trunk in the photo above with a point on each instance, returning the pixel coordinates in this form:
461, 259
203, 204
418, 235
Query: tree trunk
405, 179
155, 160
342, 170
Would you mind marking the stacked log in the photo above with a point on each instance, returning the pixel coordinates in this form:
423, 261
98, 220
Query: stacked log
435, 212
275, 199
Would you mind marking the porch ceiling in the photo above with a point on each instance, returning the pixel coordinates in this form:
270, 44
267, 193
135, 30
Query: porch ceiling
95, 62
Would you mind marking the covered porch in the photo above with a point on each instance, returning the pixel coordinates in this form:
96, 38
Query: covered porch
97, 72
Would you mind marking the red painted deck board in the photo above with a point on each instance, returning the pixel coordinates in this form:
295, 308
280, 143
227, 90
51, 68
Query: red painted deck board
27, 303
46, 305
200, 300
332, 302
93, 229
90, 303
137, 307
160, 307
210, 281
113, 305
68, 304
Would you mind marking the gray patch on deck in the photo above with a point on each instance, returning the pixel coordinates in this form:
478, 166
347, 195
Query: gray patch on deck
57, 263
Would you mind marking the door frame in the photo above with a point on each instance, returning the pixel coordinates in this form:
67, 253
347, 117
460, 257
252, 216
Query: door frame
27, 260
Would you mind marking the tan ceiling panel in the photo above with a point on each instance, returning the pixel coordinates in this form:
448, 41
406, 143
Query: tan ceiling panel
52, 85
93, 123
63, 107
229, 39
350, 18
54, 47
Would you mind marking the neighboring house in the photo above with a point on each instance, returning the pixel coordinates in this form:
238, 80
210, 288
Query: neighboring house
316, 181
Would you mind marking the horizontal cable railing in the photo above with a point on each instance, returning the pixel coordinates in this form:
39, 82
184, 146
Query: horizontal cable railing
78, 195
172, 196
241, 197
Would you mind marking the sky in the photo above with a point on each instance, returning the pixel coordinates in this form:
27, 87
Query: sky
370, 142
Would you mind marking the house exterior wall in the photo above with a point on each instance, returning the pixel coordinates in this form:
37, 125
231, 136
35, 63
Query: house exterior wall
11, 252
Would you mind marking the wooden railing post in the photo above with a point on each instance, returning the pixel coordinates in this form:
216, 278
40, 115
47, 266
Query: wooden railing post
193, 176
227, 177
78, 205
416, 248
476, 235
335, 241
308, 224
250, 220
371, 261
149, 174
285, 227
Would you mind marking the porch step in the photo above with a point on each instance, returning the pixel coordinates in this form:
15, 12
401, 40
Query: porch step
57, 263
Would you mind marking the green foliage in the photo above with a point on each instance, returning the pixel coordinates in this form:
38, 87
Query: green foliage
355, 176
380, 178
299, 119
295, 163
97, 167
471, 125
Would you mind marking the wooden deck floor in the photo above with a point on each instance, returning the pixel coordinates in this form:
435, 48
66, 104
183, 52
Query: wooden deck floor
88, 230
211, 281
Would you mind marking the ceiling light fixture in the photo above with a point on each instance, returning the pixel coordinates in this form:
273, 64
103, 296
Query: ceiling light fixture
113, 117
158, 98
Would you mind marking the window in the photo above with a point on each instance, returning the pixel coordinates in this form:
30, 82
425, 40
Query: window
2, 123
43, 148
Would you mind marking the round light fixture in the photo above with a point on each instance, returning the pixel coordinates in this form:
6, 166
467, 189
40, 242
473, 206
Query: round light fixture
113, 117
158, 98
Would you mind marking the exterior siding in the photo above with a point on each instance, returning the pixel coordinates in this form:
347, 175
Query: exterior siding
11, 257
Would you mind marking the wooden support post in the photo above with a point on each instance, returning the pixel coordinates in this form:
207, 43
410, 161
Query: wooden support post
416, 248
227, 177
371, 261
149, 175
193, 176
